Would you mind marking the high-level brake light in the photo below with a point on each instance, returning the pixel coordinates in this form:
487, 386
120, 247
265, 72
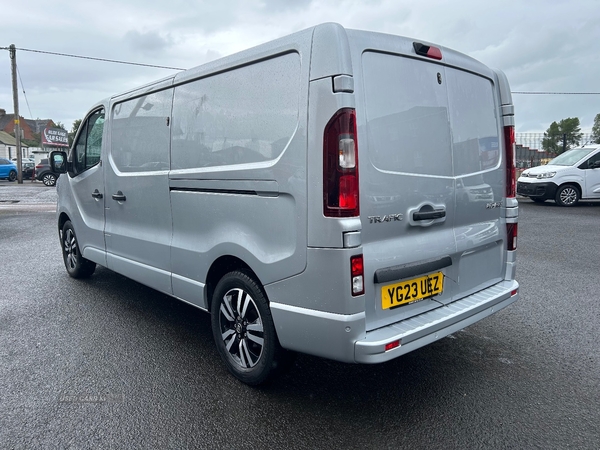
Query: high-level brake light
427, 50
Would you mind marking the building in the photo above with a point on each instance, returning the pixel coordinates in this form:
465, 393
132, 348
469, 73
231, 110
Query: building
8, 147
30, 128
531, 157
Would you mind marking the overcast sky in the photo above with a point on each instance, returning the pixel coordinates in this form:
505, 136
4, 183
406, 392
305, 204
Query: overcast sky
542, 45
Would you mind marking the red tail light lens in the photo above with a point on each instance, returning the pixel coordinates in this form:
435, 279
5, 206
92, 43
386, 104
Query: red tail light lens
340, 166
511, 236
392, 345
509, 151
358, 274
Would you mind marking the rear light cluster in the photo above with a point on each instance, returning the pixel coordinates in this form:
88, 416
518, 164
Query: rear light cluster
511, 236
511, 182
340, 166
358, 275
511, 171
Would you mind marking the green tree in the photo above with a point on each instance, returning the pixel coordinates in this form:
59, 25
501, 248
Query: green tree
74, 128
596, 130
554, 135
60, 125
76, 125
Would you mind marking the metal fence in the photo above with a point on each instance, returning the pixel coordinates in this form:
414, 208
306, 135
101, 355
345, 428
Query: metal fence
530, 152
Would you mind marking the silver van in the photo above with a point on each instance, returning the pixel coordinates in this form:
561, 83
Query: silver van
341, 193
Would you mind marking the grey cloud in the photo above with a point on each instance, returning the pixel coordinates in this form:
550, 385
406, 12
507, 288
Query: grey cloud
276, 6
148, 43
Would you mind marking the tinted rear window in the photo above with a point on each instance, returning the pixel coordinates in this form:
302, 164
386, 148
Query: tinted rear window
424, 118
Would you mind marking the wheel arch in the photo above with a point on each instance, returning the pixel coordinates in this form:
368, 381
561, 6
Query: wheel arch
62, 218
222, 266
573, 183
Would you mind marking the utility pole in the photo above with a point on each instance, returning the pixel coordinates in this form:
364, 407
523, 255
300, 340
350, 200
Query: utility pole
13, 67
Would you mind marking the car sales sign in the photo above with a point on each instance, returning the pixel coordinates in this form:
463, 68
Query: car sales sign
55, 136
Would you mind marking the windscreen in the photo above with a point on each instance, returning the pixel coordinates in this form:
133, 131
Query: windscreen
571, 157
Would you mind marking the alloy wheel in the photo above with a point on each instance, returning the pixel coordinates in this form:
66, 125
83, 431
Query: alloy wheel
70, 248
568, 196
241, 328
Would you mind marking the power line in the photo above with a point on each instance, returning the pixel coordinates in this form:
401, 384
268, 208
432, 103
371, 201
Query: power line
95, 59
179, 68
24, 94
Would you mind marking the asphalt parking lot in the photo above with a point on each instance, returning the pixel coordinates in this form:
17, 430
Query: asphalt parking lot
109, 363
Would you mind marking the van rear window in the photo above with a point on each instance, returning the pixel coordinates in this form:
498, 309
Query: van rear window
425, 118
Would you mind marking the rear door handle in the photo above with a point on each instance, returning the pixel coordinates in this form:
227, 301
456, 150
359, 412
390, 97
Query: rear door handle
119, 197
96, 194
429, 215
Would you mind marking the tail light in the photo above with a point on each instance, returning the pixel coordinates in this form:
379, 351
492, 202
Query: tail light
340, 166
509, 151
357, 273
511, 236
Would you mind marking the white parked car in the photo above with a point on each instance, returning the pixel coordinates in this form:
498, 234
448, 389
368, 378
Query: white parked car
571, 176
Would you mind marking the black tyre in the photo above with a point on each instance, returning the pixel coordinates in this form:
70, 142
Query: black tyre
537, 199
12, 176
77, 266
49, 179
243, 329
567, 195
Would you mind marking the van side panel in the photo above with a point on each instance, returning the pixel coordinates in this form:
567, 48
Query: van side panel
238, 178
138, 208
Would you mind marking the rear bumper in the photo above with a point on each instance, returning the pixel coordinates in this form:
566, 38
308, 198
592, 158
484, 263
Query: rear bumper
428, 327
537, 190
343, 338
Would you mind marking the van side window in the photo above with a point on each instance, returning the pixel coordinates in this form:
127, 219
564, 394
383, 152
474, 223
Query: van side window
245, 115
140, 132
87, 151
592, 162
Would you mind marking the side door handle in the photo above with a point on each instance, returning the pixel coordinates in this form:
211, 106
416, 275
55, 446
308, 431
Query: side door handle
429, 215
97, 195
119, 197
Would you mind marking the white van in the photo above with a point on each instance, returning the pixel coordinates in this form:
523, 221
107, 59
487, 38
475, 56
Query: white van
571, 176
341, 193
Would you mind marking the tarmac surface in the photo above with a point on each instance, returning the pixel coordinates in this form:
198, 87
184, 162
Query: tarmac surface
109, 363
31, 195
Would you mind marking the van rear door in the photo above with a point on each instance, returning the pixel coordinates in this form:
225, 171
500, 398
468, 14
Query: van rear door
431, 184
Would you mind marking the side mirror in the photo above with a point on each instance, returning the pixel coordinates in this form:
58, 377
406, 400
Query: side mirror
58, 162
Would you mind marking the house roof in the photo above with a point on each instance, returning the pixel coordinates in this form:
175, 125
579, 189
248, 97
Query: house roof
38, 125
35, 125
7, 139
5, 119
